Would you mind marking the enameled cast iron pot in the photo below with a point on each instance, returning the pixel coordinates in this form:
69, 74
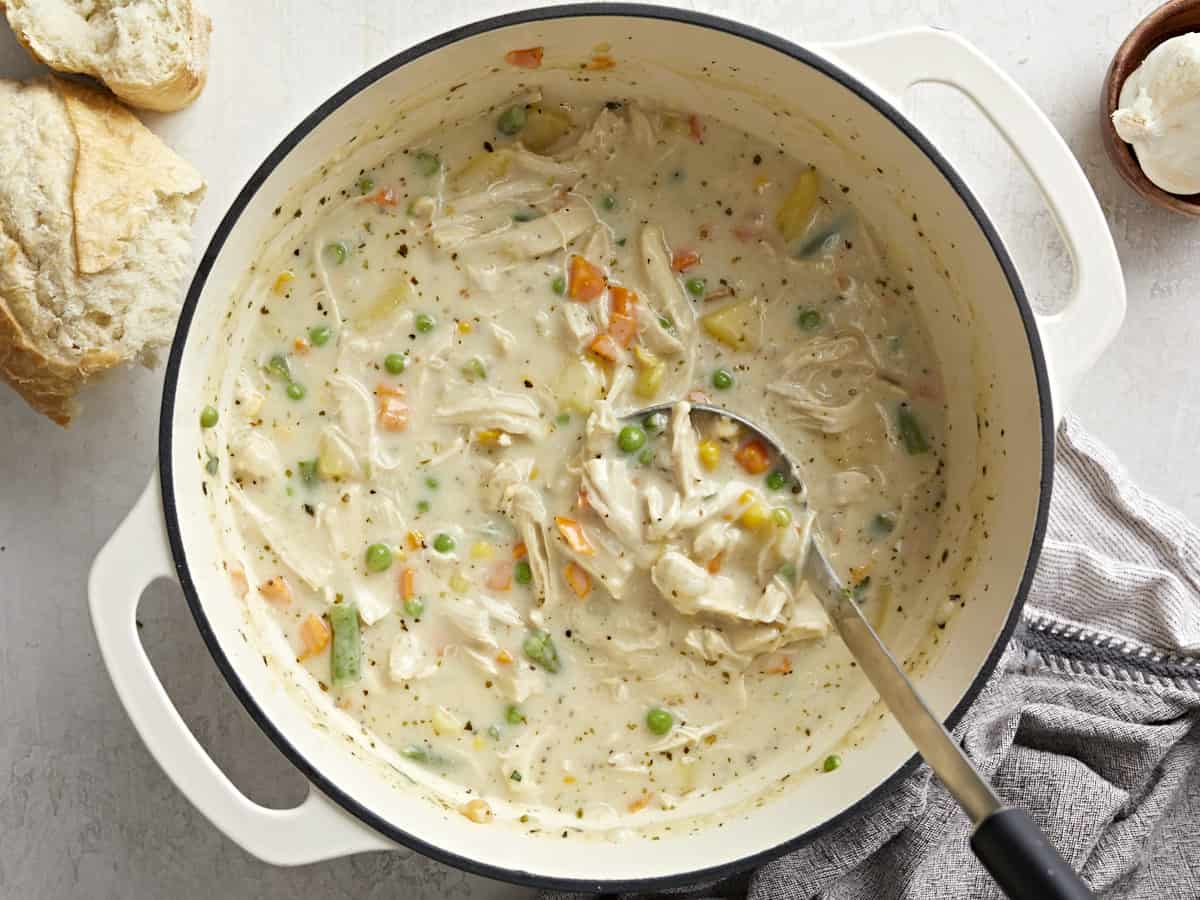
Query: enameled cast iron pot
1007, 371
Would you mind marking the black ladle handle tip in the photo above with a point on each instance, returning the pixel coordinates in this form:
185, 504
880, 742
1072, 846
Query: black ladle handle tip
1022, 861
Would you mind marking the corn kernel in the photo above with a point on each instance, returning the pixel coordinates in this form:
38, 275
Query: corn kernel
478, 742
481, 550
282, 281
477, 811
710, 454
755, 516
464, 327
458, 584
415, 540
488, 437
746, 497
568, 779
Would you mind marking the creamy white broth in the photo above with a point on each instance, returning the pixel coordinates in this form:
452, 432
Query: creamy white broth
453, 258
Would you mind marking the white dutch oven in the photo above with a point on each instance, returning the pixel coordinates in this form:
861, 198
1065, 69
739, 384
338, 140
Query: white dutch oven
1004, 395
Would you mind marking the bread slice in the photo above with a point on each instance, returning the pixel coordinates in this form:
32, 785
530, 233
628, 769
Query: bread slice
95, 229
150, 53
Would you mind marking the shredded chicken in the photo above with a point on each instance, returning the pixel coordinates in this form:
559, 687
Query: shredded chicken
483, 406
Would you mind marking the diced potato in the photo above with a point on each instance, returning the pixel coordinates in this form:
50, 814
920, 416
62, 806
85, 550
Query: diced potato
481, 550
477, 811
579, 385
446, 722
387, 302
482, 169
459, 584
737, 325
651, 371
544, 127
334, 458
796, 212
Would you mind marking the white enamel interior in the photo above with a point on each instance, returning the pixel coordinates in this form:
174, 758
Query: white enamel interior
971, 314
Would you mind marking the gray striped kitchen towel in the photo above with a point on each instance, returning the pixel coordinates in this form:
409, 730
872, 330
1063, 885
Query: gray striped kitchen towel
1091, 722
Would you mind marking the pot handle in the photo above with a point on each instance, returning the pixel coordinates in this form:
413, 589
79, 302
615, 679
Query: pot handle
1074, 338
134, 556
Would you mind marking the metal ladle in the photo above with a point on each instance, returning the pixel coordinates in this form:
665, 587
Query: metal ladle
1004, 838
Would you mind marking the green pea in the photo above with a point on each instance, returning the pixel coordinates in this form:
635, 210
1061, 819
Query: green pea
777, 480
513, 715
809, 319
423, 506
559, 285
308, 471
526, 215
646, 456
695, 286
512, 120
540, 649
296, 391
428, 163
379, 557
493, 732
209, 417
655, 423
832, 761
474, 369
424, 322
414, 607
722, 379
608, 201
395, 363
781, 516
522, 572
884, 523
621, 242
910, 431
320, 335
432, 483
278, 366
212, 465
666, 323
345, 654
366, 184
659, 721
563, 418
337, 251
631, 439
443, 543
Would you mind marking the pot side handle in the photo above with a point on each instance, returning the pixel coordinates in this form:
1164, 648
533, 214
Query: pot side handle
1074, 338
134, 556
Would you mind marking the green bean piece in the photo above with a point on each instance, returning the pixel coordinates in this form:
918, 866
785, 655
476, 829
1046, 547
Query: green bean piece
522, 572
366, 184
337, 251
809, 319
295, 390
474, 369
209, 417
655, 423
428, 163
540, 649
308, 471
379, 557
832, 761
910, 431
345, 655
527, 215
212, 465
513, 715
659, 721
667, 324
823, 240
319, 335
394, 363
722, 379
278, 366
777, 480
631, 439
695, 286
443, 543
415, 607
883, 523
512, 120
559, 285
424, 323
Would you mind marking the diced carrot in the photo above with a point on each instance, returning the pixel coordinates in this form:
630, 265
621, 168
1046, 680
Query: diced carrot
499, 576
398, 391
520, 551
504, 657
695, 128
573, 534
587, 282
779, 665
859, 573
408, 584
682, 260
238, 576
315, 634
640, 803
276, 590
605, 347
529, 58
622, 326
601, 61
300, 345
383, 198
714, 564
581, 500
624, 301
753, 456
578, 580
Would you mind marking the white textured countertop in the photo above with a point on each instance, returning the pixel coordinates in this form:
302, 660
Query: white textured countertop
84, 810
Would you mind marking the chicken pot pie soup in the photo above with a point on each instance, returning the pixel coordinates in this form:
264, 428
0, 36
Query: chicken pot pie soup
542, 609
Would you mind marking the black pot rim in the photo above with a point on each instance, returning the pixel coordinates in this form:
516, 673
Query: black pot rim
297, 134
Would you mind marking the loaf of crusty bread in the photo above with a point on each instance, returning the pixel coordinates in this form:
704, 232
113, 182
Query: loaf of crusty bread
95, 228
150, 53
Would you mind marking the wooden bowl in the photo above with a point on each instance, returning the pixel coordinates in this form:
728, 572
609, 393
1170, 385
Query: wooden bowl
1169, 20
